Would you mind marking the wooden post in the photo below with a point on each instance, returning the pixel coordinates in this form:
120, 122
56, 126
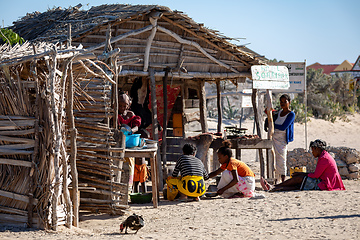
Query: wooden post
270, 152
202, 103
219, 107
164, 135
155, 126
56, 134
203, 117
73, 148
115, 93
149, 41
258, 129
120, 139
36, 145
183, 106
108, 46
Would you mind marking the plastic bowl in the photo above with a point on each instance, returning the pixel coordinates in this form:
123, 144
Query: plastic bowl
132, 140
140, 197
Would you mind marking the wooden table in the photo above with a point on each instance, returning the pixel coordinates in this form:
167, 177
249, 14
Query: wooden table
148, 153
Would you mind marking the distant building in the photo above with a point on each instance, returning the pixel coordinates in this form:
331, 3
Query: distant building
355, 71
350, 68
344, 67
327, 68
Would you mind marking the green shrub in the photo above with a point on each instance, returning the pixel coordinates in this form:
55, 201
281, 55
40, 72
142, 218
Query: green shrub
8, 36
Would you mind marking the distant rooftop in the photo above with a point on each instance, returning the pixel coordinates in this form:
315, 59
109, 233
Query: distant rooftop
327, 68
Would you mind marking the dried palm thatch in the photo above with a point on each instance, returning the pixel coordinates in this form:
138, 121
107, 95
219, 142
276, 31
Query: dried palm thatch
38, 137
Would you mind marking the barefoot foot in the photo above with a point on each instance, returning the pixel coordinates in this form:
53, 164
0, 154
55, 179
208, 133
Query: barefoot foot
264, 184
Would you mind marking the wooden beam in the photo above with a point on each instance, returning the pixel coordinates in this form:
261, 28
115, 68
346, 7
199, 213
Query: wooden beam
149, 42
13, 218
9, 117
122, 36
196, 45
219, 107
189, 75
15, 162
18, 123
16, 140
16, 196
15, 152
206, 40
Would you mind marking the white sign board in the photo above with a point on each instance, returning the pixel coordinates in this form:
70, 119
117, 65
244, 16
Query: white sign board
245, 99
246, 102
270, 77
296, 76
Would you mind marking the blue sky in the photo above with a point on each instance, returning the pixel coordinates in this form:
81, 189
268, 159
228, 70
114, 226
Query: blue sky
321, 31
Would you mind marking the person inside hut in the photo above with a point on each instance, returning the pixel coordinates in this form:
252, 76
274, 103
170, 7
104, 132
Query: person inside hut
190, 183
283, 134
325, 177
126, 116
237, 179
139, 94
128, 120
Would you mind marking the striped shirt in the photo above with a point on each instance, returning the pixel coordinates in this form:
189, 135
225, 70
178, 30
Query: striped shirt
189, 165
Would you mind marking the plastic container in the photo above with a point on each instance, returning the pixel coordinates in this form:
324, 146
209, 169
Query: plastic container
140, 197
297, 169
149, 143
132, 140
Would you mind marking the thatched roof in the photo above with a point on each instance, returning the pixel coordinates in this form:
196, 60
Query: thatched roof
54, 25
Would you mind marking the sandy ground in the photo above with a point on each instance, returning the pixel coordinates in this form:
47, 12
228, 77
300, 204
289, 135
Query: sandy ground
282, 215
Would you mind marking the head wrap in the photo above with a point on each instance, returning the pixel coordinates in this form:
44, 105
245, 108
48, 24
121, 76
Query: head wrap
318, 143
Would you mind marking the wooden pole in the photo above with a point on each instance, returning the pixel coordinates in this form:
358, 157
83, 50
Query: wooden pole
305, 105
270, 154
116, 95
56, 142
108, 47
253, 99
203, 118
149, 41
73, 147
219, 107
202, 103
183, 106
155, 131
164, 135
64, 158
36, 145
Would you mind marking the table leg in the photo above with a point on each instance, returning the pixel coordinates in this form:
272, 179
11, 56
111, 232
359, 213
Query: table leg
154, 179
238, 154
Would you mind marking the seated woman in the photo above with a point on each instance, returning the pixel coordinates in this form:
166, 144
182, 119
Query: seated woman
192, 174
237, 179
127, 117
325, 177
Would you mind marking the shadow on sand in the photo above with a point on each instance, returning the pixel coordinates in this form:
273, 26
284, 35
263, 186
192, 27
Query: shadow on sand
326, 217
